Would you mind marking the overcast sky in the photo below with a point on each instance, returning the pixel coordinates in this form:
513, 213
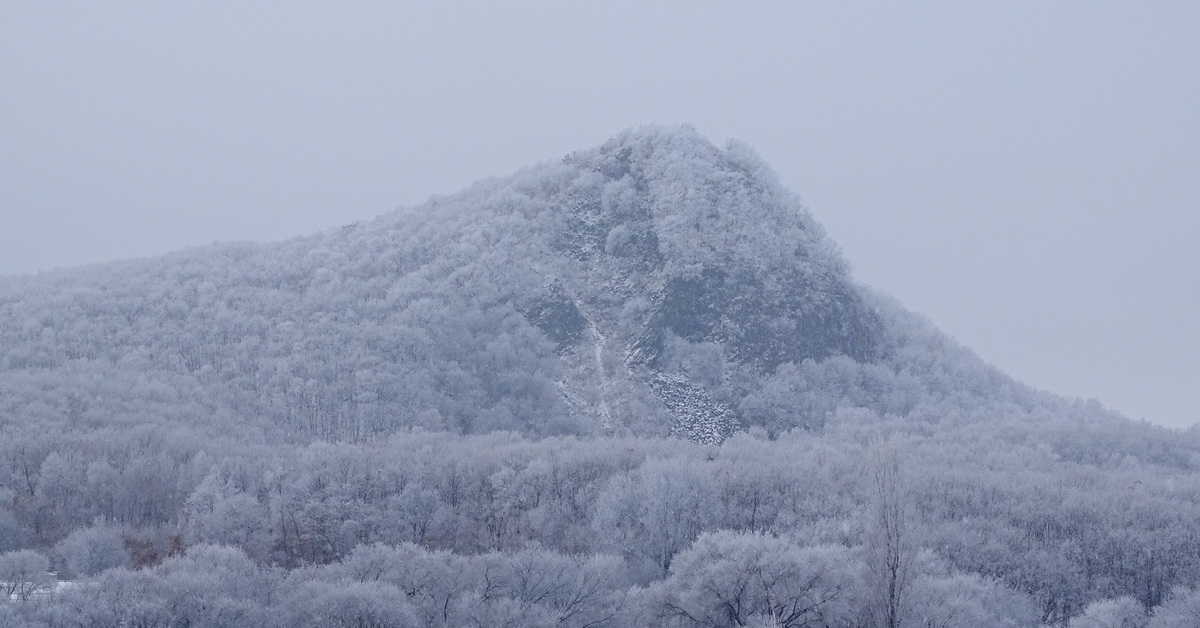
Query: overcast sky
1027, 174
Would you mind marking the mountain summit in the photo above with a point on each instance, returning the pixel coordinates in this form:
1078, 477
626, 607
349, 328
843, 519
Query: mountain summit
724, 253
676, 261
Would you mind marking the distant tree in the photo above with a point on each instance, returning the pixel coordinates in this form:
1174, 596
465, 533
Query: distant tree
89, 551
891, 544
701, 362
481, 609
1122, 612
348, 605
575, 592
24, 574
967, 600
116, 598
12, 535
1182, 608
215, 587
783, 401
432, 582
237, 519
13, 617
655, 512
729, 579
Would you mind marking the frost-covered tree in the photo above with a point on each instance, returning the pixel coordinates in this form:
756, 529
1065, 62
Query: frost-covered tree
11, 533
655, 512
729, 579
348, 605
24, 574
89, 551
967, 600
891, 542
433, 582
1182, 608
1122, 612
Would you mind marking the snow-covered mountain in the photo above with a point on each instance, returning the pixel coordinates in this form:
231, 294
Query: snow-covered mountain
654, 284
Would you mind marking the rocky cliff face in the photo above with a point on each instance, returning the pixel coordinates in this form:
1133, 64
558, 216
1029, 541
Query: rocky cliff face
670, 244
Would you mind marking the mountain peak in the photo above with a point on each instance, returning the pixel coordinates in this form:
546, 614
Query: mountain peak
730, 244
692, 262
709, 200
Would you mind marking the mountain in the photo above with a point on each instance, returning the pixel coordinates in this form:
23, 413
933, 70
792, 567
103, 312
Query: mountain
619, 389
647, 286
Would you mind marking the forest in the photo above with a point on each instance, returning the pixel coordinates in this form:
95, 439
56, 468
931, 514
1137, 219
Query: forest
636, 387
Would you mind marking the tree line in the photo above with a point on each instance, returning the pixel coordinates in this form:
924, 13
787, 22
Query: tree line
815, 528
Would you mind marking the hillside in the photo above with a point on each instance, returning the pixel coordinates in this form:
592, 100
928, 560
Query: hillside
568, 298
626, 365
650, 286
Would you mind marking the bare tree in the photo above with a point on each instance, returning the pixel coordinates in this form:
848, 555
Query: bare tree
729, 579
890, 546
23, 574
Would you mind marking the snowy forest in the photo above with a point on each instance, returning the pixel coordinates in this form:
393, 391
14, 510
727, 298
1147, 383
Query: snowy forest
635, 387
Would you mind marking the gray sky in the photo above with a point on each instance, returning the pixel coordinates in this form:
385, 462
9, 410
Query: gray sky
1027, 174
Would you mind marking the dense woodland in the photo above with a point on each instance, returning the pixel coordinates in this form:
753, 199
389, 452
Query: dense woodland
634, 388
